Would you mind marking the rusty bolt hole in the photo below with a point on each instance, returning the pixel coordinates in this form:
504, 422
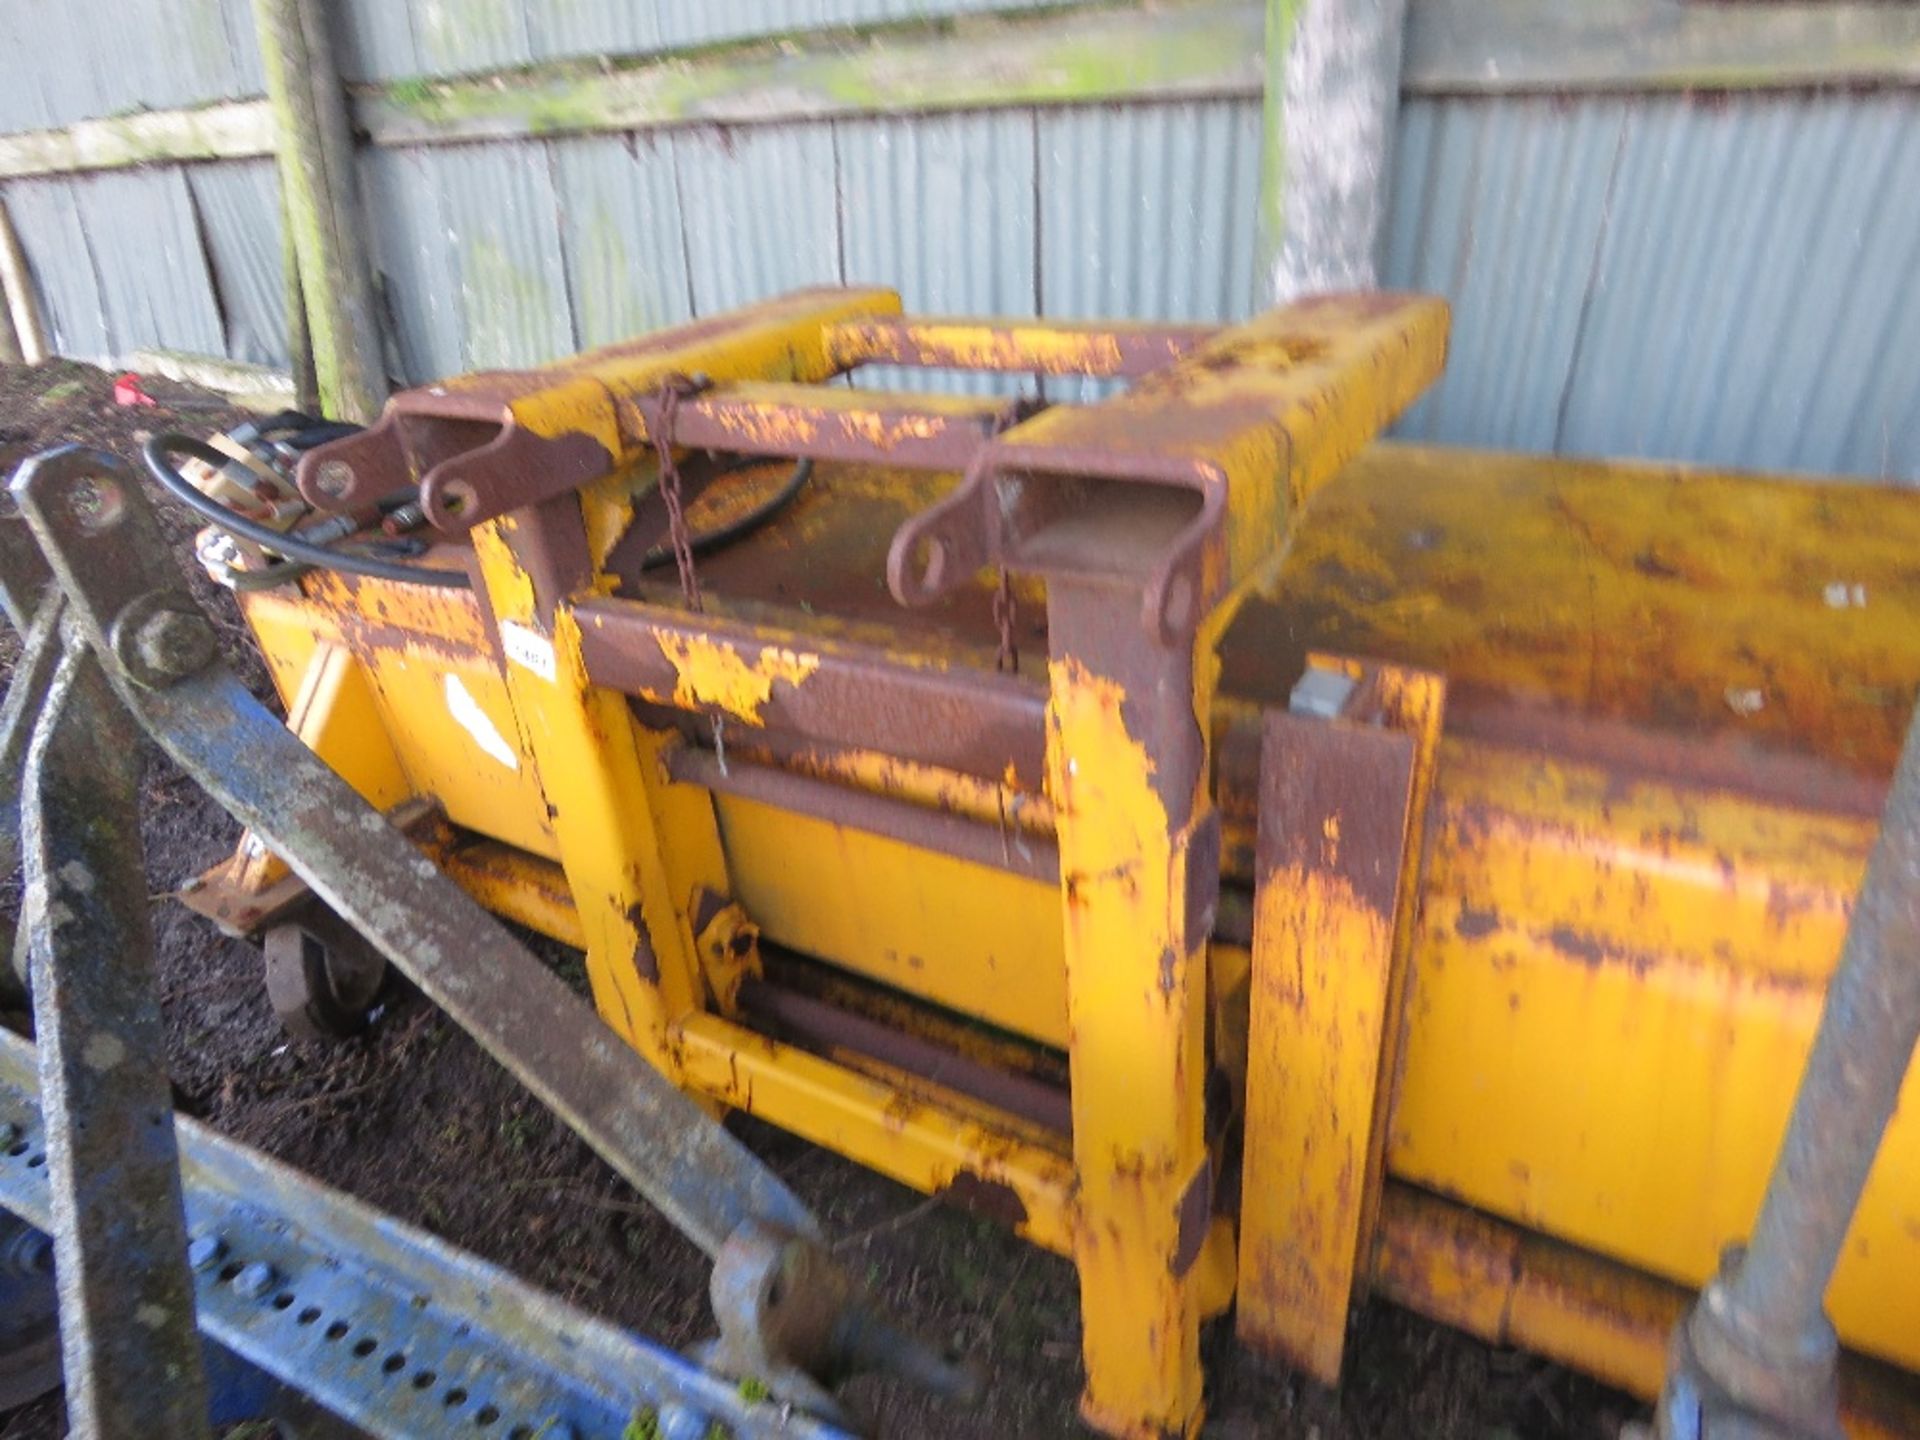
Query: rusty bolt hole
96, 504
334, 480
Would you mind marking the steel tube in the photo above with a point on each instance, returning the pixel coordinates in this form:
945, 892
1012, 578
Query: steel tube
1868, 1029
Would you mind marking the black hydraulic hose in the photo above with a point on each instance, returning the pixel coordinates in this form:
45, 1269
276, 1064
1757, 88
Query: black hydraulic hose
711, 540
159, 452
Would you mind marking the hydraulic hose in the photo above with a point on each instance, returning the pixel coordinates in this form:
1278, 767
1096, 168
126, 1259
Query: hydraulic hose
733, 530
159, 452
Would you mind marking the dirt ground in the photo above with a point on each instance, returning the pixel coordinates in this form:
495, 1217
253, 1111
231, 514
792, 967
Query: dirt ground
414, 1118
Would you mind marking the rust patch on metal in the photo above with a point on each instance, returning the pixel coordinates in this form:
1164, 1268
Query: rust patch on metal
975, 722
645, 962
992, 1199
1472, 924
1196, 1217
1572, 943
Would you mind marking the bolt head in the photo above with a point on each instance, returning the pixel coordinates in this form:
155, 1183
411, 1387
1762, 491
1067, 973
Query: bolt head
206, 1251
255, 1280
31, 1253
174, 644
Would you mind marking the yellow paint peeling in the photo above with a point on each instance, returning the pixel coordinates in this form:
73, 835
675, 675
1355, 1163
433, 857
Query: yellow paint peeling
712, 672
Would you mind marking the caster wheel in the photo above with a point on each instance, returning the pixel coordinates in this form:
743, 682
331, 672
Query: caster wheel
324, 980
29, 1315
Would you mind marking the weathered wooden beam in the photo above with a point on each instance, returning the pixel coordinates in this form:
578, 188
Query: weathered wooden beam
317, 177
236, 130
1090, 55
253, 387
1075, 56
1498, 47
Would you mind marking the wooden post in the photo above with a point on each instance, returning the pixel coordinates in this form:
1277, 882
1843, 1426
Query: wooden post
315, 144
1332, 100
306, 384
23, 309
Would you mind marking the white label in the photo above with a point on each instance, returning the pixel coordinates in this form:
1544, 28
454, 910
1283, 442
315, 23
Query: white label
527, 648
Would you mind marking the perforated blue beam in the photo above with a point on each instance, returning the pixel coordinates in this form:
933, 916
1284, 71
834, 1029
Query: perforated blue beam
392, 1330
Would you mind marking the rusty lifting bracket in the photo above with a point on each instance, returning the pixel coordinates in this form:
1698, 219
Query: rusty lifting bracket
131, 622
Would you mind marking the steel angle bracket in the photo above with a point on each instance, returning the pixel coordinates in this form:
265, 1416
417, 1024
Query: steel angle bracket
1346, 773
383, 1325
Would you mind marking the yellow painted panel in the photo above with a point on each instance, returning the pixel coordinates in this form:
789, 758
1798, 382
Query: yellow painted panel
977, 940
1756, 608
453, 727
1614, 990
288, 631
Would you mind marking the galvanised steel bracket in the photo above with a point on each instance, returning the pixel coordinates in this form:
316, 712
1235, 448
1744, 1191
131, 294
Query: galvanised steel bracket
383, 1325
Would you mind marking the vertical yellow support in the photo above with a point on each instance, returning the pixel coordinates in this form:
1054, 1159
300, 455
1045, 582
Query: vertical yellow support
1341, 801
638, 852
1126, 767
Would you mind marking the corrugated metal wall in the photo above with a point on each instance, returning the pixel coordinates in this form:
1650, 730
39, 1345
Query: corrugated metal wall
1723, 279
1730, 280
513, 253
67, 61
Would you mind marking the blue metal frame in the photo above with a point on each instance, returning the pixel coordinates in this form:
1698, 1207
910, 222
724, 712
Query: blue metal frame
386, 1326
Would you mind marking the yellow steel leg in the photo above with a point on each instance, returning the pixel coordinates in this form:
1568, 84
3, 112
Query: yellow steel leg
1340, 808
611, 805
1126, 765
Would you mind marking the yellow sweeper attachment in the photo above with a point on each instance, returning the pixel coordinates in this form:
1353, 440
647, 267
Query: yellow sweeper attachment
1266, 866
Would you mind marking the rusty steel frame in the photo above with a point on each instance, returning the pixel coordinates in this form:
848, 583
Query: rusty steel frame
1147, 521
1169, 503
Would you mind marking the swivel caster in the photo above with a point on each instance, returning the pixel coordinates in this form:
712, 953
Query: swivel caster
323, 979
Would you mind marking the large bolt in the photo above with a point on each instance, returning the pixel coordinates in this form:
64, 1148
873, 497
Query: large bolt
254, 1281
173, 644
206, 1251
31, 1253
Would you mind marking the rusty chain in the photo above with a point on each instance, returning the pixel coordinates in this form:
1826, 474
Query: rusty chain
1005, 609
1004, 615
672, 390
